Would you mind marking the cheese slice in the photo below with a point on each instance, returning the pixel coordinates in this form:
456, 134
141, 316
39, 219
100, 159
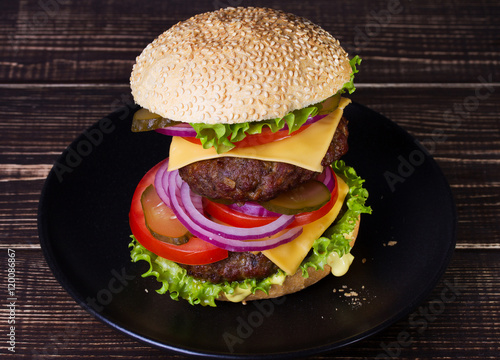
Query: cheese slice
305, 149
289, 256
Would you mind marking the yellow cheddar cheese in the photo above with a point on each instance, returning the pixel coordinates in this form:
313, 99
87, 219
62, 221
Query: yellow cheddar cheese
305, 149
289, 256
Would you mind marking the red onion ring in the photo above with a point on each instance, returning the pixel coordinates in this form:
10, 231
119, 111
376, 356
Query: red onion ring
158, 183
259, 245
228, 244
253, 209
230, 232
328, 179
186, 130
311, 120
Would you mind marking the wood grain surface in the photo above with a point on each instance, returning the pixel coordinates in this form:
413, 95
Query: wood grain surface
432, 67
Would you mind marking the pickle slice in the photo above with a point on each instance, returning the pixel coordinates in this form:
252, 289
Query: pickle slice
145, 120
330, 104
309, 196
160, 219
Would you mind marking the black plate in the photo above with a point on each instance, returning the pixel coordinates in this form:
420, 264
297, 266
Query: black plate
84, 232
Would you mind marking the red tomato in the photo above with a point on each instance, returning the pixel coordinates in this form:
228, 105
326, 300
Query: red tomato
235, 218
266, 136
194, 252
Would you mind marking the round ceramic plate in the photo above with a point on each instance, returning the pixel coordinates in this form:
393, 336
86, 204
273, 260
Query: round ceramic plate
401, 252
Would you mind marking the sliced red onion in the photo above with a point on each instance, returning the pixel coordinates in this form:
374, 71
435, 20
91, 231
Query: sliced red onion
253, 209
329, 181
322, 176
311, 120
259, 245
231, 232
218, 240
198, 203
178, 179
158, 183
184, 130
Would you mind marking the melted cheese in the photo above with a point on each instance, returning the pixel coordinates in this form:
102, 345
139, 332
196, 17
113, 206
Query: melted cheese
305, 149
238, 294
339, 265
289, 256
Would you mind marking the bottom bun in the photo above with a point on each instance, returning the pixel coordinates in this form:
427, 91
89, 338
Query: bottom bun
293, 283
297, 281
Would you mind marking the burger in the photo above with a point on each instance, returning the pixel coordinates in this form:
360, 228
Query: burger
253, 200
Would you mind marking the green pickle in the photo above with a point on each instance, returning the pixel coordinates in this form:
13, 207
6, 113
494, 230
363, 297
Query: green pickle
330, 104
309, 196
145, 120
154, 209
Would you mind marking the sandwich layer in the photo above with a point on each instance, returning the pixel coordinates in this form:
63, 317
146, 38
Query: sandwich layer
305, 149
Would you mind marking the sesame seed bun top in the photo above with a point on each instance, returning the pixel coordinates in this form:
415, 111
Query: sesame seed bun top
237, 65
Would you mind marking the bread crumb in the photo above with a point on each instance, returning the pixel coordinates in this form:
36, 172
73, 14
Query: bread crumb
353, 297
392, 243
363, 260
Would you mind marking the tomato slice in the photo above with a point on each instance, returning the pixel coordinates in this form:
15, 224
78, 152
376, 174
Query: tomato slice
232, 217
194, 252
266, 136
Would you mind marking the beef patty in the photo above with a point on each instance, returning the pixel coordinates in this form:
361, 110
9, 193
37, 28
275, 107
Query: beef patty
240, 180
238, 266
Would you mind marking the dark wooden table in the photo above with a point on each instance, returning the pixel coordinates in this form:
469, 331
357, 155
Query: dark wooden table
430, 66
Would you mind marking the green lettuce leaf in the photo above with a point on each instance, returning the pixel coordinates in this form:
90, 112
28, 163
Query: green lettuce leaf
223, 136
179, 284
349, 86
333, 238
174, 279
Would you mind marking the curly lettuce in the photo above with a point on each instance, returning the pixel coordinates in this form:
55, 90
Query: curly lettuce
174, 279
179, 284
337, 237
223, 136
349, 86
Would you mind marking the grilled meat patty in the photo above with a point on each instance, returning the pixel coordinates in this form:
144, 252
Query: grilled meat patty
240, 180
238, 266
